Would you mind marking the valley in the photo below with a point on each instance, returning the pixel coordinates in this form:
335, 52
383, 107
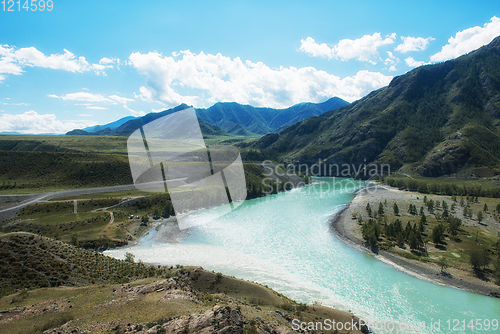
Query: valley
434, 213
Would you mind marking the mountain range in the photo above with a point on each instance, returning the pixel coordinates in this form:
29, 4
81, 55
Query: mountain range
436, 119
112, 125
226, 117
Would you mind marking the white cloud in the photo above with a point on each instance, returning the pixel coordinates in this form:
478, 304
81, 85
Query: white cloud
15, 104
31, 122
90, 106
137, 113
391, 59
89, 97
203, 79
109, 61
392, 68
362, 49
414, 63
314, 49
81, 96
413, 44
13, 61
94, 98
468, 40
119, 99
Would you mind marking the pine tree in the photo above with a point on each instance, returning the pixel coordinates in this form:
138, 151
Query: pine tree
438, 234
380, 209
398, 227
369, 209
400, 239
413, 241
421, 226
408, 230
430, 206
453, 226
396, 209
480, 216
485, 208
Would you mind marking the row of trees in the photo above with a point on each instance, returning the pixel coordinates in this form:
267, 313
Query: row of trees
412, 234
450, 189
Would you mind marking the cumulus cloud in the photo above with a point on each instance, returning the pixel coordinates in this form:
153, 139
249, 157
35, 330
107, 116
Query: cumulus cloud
109, 61
31, 122
468, 40
13, 61
203, 79
413, 44
414, 63
391, 61
362, 49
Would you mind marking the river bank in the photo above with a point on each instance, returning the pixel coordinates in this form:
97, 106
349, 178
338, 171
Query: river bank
348, 230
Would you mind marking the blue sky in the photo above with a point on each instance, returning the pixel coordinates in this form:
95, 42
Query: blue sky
92, 62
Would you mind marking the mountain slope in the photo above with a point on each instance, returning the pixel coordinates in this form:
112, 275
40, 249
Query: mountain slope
263, 120
436, 118
229, 117
112, 125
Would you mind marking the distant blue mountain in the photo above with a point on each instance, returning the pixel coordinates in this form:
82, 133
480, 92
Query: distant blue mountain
226, 117
112, 125
236, 118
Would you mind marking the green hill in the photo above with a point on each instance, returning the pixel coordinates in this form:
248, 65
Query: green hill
66, 289
436, 120
31, 261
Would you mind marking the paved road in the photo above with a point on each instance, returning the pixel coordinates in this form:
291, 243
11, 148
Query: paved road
11, 210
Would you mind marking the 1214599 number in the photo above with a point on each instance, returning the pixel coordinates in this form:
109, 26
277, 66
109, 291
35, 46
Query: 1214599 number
28, 5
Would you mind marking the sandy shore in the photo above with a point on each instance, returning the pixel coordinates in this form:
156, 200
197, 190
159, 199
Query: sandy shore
349, 231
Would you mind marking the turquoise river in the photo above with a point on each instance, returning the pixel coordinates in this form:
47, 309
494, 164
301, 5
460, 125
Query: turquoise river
284, 241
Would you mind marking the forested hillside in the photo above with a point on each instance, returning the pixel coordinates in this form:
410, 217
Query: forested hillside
436, 119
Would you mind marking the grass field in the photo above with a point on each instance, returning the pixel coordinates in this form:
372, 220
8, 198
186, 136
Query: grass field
45, 143
39, 164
